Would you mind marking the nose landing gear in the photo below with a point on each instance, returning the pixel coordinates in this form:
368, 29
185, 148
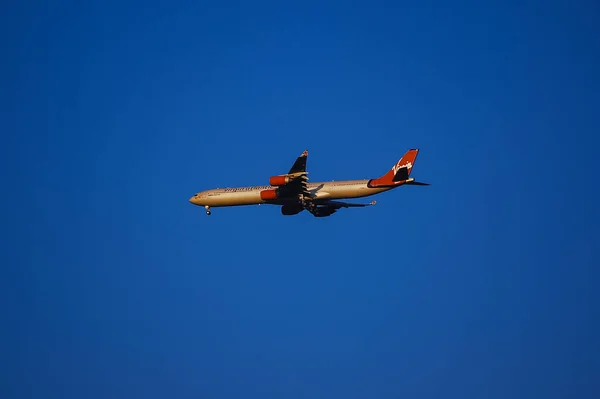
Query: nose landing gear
208, 212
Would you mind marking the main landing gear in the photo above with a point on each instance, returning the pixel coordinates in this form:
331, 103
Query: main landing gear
208, 210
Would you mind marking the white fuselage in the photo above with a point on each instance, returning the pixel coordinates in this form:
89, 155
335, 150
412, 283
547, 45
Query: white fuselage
319, 191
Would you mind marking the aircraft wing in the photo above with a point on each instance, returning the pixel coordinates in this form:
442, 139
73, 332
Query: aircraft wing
330, 207
340, 204
300, 164
298, 185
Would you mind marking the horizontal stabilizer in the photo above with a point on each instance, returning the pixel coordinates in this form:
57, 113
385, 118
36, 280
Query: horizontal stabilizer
417, 183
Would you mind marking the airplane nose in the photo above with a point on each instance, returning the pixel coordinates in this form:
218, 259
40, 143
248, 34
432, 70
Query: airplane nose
194, 200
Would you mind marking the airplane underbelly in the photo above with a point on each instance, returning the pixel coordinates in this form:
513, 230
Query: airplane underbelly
322, 195
232, 199
350, 191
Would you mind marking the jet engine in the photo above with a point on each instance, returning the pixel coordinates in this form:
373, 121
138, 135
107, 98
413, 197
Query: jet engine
268, 195
291, 209
279, 180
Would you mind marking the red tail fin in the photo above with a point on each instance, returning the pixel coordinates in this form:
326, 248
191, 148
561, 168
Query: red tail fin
399, 172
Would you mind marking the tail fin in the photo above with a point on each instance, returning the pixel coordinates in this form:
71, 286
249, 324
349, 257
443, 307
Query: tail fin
399, 172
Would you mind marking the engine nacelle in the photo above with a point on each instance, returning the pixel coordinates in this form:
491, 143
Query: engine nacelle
268, 195
279, 180
291, 209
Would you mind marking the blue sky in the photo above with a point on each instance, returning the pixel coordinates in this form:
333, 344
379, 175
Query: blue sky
483, 284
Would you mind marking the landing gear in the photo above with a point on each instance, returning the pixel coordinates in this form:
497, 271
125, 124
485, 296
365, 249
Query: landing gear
208, 213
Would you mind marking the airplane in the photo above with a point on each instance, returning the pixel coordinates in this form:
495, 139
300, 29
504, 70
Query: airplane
294, 193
